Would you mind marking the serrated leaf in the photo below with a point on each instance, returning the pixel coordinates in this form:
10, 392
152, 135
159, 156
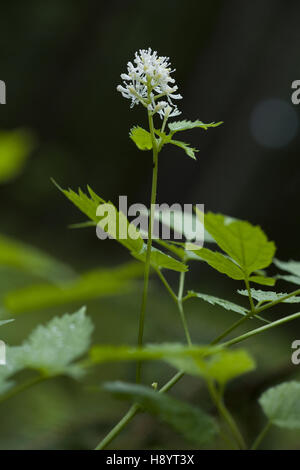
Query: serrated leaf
193, 423
186, 147
246, 244
221, 263
50, 349
23, 257
186, 125
90, 285
220, 302
223, 303
291, 266
269, 296
263, 280
160, 260
141, 138
131, 238
15, 148
289, 278
281, 405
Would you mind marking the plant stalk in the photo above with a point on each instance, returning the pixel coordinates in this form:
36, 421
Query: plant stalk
149, 244
261, 436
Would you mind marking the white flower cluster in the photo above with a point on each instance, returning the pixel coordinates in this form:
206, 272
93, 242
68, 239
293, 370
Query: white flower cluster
148, 80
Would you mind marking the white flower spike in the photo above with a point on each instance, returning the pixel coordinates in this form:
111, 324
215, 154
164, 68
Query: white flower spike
149, 80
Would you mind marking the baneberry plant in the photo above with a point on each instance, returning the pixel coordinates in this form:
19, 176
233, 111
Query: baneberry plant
242, 252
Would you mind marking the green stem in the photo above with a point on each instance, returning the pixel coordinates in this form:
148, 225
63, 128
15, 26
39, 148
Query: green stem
171, 382
278, 301
261, 435
149, 245
180, 374
181, 310
262, 329
167, 285
250, 295
226, 415
119, 426
229, 330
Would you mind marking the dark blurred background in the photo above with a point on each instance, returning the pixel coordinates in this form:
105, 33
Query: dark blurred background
235, 61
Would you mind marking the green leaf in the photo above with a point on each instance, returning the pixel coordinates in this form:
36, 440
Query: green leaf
292, 267
182, 222
223, 366
187, 125
160, 260
269, 296
193, 423
221, 302
263, 280
15, 148
281, 405
141, 138
228, 365
131, 237
289, 278
90, 285
50, 349
246, 244
106, 353
186, 147
221, 263
18, 255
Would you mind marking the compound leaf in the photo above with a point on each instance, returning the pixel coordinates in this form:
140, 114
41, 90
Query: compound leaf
187, 125
269, 296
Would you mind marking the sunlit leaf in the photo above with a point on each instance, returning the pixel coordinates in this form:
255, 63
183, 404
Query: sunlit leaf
245, 244
221, 263
122, 230
263, 280
141, 138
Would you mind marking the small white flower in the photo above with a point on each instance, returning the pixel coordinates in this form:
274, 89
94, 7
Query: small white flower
149, 80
